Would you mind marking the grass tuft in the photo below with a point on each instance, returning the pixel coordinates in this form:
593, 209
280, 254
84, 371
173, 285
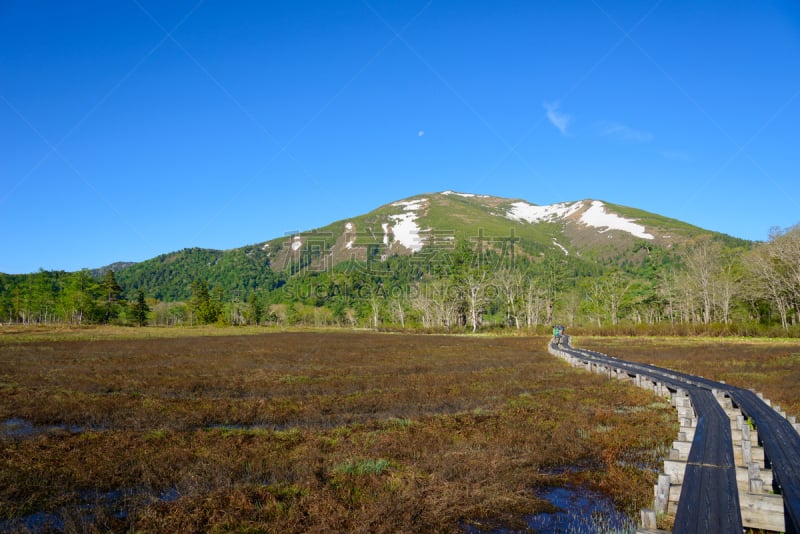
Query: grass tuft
362, 467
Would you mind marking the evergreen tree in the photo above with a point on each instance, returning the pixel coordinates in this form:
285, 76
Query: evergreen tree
200, 299
111, 293
205, 309
215, 305
80, 297
256, 308
140, 309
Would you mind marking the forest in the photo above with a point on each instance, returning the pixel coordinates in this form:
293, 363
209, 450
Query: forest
710, 284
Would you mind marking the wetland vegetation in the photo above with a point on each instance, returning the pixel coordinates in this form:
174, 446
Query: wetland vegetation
175, 430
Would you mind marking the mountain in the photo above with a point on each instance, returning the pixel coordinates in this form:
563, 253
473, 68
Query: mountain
116, 266
424, 227
586, 228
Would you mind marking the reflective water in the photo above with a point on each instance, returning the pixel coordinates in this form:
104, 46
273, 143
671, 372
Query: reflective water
91, 504
580, 511
21, 428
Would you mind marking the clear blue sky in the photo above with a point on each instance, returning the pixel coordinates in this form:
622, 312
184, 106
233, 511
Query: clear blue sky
132, 128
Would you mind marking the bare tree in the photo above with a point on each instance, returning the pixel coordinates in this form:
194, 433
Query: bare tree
437, 302
375, 304
534, 301
606, 295
572, 303
475, 290
616, 286
510, 283
686, 298
727, 284
398, 307
774, 269
593, 301
784, 248
765, 282
667, 290
702, 265
424, 305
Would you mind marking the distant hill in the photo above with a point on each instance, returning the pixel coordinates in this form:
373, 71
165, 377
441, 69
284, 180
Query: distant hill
169, 277
587, 228
116, 266
591, 231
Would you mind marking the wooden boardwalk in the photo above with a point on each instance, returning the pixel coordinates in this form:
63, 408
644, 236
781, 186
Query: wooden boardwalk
710, 477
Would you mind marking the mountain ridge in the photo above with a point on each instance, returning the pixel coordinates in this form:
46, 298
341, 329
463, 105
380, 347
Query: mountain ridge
407, 225
425, 227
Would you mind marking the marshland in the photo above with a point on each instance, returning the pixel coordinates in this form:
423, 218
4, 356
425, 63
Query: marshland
221, 429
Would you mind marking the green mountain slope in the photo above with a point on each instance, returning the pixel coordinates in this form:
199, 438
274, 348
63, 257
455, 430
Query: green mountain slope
169, 277
594, 230
424, 228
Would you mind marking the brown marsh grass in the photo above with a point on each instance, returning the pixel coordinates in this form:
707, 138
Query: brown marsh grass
769, 366
308, 431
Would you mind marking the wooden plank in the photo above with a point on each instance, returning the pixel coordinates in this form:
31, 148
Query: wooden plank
782, 447
682, 449
737, 435
648, 519
674, 497
762, 511
675, 469
709, 499
756, 455
708, 480
662, 494
743, 478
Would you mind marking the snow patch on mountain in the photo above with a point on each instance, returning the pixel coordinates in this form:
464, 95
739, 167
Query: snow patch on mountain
405, 229
522, 211
559, 245
597, 217
411, 205
385, 227
465, 195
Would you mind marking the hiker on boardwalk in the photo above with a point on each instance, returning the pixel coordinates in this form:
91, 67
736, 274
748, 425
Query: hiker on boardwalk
557, 334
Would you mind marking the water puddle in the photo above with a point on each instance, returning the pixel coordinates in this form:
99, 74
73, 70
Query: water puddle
20, 428
580, 511
90, 505
170, 495
16, 428
38, 522
242, 428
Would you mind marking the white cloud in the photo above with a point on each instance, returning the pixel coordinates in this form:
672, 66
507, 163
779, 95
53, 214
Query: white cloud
623, 132
558, 119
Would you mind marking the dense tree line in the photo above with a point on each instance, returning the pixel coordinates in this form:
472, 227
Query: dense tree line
72, 298
169, 277
707, 281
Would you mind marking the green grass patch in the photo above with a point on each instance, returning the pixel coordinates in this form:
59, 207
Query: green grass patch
364, 466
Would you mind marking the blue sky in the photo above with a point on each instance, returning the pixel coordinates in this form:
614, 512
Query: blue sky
138, 127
